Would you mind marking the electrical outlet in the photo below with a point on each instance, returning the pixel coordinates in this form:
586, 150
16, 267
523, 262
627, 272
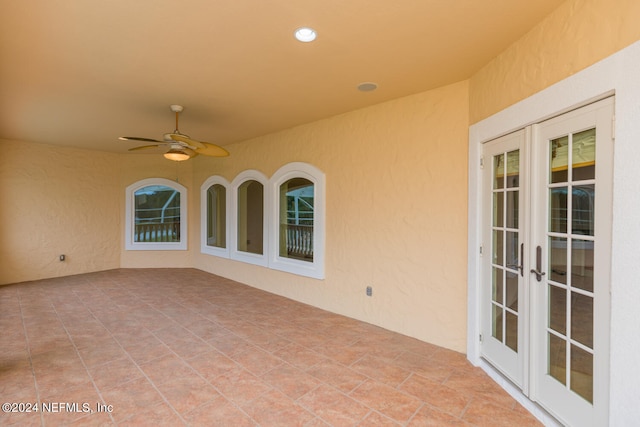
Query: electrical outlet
369, 291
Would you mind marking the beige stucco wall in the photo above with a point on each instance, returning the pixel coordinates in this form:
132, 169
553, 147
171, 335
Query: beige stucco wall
576, 35
396, 212
55, 201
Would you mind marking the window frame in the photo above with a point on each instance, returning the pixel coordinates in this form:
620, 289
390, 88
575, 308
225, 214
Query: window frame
315, 268
232, 224
132, 245
204, 211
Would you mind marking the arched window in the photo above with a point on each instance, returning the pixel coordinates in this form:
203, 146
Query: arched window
214, 213
248, 234
297, 220
156, 213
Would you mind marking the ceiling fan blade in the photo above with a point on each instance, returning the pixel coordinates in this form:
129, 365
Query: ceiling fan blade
212, 150
143, 147
137, 138
183, 138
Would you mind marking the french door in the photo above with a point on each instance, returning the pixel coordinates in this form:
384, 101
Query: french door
546, 261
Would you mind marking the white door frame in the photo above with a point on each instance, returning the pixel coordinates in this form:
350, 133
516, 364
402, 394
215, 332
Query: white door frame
617, 75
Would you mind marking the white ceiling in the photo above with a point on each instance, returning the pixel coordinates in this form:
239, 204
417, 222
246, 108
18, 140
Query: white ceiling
81, 73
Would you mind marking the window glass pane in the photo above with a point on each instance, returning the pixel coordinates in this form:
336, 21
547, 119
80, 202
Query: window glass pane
217, 216
157, 214
250, 217
296, 219
584, 155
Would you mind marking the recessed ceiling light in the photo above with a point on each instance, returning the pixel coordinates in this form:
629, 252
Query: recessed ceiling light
367, 87
305, 34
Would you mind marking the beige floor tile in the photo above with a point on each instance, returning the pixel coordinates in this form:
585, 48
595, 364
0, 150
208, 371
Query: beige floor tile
387, 400
333, 406
275, 409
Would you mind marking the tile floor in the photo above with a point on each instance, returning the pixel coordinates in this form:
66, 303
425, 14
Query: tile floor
170, 347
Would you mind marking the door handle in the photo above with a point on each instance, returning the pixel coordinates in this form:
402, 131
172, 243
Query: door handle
537, 271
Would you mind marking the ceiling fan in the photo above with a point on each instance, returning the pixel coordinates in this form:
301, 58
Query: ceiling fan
181, 146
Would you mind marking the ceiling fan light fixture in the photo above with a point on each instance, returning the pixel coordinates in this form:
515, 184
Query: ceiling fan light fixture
305, 34
176, 155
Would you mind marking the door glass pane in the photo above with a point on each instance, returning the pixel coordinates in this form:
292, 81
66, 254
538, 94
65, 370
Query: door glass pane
582, 202
496, 321
584, 155
558, 259
497, 291
498, 209
512, 209
557, 362
558, 157
250, 217
582, 319
513, 169
512, 250
511, 336
582, 264
512, 291
582, 373
558, 309
558, 210
498, 171
498, 247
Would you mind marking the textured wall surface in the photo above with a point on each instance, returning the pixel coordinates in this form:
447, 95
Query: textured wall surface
396, 213
576, 35
57, 201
